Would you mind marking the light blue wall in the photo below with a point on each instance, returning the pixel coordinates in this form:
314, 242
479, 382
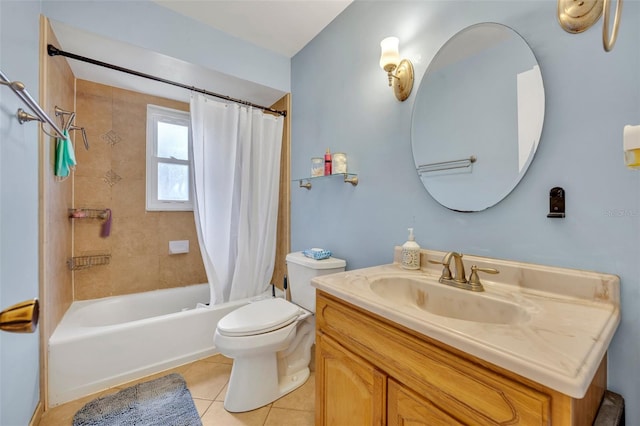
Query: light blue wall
145, 24
341, 100
19, 353
142, 23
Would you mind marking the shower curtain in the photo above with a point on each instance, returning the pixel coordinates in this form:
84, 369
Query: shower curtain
236, 164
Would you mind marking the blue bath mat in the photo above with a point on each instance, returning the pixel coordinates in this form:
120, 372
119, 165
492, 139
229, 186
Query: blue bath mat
165, 401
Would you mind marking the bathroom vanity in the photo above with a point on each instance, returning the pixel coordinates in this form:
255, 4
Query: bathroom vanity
530, 349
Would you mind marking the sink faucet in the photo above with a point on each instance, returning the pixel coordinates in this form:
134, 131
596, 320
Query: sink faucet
459, 279
459, 276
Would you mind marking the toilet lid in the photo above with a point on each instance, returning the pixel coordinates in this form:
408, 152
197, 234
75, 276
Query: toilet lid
259, 317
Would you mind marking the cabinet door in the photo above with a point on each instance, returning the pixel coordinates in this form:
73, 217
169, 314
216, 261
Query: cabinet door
409, 409
349, 390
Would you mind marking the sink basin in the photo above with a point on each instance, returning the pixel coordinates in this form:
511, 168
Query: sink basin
440, 299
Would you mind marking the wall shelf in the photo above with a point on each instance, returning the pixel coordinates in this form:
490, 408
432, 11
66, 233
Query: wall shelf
351, 178
84, 262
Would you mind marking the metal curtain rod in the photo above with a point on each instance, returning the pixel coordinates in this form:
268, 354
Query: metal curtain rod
54, 51
18, 88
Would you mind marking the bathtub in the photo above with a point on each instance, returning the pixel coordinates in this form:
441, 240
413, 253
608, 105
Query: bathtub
105, 342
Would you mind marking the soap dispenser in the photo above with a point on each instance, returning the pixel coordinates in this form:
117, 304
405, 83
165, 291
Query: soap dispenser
411, 253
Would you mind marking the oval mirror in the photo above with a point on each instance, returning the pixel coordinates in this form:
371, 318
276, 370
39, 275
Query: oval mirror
477, 117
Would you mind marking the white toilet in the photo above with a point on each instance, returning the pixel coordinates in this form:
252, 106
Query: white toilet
270, 340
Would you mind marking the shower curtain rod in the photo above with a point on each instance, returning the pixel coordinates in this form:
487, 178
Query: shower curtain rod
21, 91
54, 51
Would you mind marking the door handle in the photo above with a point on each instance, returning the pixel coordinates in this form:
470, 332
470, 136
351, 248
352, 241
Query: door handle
21, 317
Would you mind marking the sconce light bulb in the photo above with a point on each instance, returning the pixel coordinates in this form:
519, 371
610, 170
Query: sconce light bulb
390, 55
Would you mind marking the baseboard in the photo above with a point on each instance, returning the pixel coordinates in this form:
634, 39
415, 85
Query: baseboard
37, 415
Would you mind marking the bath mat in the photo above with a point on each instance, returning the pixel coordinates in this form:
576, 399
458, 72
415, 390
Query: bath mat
165, 401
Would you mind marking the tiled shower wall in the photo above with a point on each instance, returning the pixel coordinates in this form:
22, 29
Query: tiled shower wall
111, 174
55, 196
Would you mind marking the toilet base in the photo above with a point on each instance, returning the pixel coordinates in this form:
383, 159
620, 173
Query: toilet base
263, 382
260, 379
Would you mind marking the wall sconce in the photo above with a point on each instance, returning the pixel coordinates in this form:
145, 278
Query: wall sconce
577, 16
400, 72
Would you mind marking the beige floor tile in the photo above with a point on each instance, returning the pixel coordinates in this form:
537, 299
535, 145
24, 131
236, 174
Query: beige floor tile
284, 417
223, 393
62, 415
216, 415
202, 405
218, 358
180, 370
302, 398
205, 380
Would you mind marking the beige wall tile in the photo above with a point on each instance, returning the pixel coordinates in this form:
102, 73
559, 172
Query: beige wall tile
177, 226
56, 291
183, 269
91, 89
92, 192
93, 283
131, 236
87, 237
133, 274
94, 113
129, 199
139, 239
129, 122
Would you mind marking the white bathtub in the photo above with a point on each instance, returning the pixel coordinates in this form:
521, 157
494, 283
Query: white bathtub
105, 342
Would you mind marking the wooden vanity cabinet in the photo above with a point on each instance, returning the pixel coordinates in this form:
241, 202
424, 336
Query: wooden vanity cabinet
355, 390
371, 371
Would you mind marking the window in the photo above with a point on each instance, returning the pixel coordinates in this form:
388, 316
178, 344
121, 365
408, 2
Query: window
168, 159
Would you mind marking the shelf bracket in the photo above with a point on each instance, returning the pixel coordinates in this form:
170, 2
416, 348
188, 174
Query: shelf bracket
353, 180
306, 184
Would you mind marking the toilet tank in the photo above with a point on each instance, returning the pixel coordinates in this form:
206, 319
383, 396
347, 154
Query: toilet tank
301, 270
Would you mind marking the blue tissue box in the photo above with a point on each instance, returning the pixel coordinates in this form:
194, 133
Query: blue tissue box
317, 254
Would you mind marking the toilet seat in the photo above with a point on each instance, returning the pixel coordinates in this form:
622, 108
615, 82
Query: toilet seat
259, 317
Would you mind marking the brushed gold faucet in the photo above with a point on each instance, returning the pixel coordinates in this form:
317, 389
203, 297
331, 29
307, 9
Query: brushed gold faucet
446, 276
459, 279
460, 276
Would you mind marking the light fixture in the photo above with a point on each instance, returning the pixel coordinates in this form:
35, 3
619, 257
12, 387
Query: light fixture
400, 72
577, 16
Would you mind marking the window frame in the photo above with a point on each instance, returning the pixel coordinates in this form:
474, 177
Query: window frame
157, 114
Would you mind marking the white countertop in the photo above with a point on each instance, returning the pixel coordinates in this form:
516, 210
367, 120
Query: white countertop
572, 316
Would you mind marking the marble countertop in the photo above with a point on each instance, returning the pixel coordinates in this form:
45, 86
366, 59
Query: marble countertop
572, 316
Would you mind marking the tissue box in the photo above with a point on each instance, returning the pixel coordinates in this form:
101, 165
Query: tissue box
317, 253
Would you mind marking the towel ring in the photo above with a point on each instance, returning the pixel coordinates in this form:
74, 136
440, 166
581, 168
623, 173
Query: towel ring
607, 41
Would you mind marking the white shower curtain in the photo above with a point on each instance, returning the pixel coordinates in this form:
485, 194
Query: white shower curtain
236, 164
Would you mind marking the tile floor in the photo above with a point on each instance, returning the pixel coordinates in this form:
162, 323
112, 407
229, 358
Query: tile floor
207, 381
